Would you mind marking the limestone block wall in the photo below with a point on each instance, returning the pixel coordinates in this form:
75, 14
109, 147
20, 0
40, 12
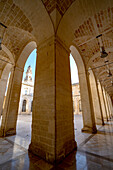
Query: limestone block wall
43, 116
64, 104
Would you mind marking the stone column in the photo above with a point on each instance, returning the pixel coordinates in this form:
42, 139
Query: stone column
86, 101
104, 112
92, 116
20, 105
105, 98
3, 84
96, 100
110, 105
8, 126
52, 125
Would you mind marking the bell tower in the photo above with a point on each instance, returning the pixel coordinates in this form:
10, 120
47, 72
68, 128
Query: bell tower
28, 76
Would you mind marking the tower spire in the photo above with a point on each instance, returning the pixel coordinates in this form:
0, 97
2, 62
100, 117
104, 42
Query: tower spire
28, 76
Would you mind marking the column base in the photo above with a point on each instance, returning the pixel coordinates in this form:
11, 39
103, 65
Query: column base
101, 124
89, 130
68, 148
106, 120
99, 121
51, 158
7, 133
36, 150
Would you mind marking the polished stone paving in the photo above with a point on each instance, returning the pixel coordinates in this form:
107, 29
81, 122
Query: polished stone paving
94, 152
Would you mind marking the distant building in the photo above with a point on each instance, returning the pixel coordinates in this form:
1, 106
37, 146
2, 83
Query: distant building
26, 97
77, 109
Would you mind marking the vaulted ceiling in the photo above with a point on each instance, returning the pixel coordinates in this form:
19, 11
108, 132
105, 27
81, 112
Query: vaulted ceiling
80, 25
74, 21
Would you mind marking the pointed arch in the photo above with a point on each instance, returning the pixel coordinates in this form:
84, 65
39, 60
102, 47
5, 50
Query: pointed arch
86, 101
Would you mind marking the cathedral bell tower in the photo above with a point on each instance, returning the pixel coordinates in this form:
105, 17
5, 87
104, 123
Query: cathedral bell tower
28, 76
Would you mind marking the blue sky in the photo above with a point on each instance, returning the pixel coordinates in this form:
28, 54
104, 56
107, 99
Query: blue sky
32, 62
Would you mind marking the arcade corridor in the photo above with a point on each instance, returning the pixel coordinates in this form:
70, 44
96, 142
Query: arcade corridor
55, 29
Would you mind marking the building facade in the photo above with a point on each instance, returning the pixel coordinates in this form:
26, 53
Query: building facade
26, 97
77, 109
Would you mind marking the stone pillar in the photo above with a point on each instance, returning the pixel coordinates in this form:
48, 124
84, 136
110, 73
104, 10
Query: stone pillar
107, 108
110, 105
96, 100
20, 105
3, 84
104, 112
8, 126
52, 121
87, 105
107, 96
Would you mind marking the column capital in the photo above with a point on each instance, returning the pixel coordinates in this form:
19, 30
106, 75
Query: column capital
51, 40
87, 74
20, 69
17, 68
60, 42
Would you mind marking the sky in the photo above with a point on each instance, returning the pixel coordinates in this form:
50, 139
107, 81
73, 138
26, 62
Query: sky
32, 62
74, 70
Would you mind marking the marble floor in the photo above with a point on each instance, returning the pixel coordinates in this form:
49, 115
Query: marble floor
94, 152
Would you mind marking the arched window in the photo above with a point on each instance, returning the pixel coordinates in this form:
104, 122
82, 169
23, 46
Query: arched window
24, 106
25, 92
31, 106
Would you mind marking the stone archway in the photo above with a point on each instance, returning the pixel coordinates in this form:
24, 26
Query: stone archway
26, 52
86, 100
8, 125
